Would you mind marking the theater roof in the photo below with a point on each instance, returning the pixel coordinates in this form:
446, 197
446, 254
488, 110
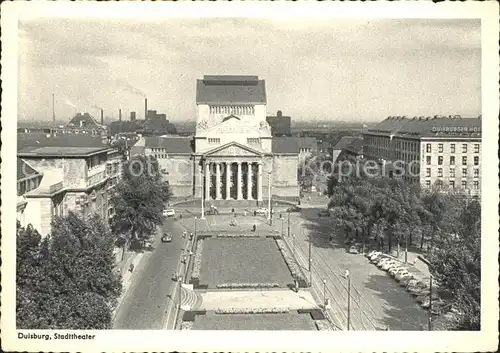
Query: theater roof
171, 144
228, 89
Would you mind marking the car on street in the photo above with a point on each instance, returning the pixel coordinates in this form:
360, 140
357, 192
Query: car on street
166, 238
401, 276
405, 279
263, 211
386, 266
324, 213
293, 209
380, 262
395, 270
353, 249
169, 212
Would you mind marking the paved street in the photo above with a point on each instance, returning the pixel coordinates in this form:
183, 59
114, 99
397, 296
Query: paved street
377, 300
147, 302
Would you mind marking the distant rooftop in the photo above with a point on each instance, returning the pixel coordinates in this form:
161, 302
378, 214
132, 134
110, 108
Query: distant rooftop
60, 140
285, 145
229, 89
32, 151
174, 145
83, 120
429, 126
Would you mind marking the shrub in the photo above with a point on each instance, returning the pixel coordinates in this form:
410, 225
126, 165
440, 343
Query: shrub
187, 325
195, 274
253, 311
247, 285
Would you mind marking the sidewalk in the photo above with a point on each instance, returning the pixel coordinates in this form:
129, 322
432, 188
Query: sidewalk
130, 258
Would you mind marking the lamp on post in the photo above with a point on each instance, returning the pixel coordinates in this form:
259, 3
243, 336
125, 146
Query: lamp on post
347, 275
282, 224
202, 175
310, 273
269, 197
324, 292
429, 323
288, 223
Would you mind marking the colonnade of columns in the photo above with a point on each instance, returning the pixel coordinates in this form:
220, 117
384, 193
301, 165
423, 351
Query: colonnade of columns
233, 180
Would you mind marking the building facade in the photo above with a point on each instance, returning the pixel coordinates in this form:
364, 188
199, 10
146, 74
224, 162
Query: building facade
443, 152
232, 155
78, 179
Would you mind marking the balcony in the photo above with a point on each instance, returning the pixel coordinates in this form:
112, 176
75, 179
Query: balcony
96, 178
56, 187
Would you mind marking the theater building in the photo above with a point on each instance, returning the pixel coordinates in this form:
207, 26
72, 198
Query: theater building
233, 155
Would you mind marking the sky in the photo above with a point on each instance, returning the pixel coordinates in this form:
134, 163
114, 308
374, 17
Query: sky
326, 69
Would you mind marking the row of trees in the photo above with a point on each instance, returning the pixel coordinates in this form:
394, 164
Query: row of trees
69, 279
387, 212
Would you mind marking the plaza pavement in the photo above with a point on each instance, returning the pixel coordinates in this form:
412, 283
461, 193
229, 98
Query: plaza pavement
258, 299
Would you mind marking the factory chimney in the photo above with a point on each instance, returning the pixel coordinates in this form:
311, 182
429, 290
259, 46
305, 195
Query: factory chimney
102, 117
145, 108
53, 110
119, 115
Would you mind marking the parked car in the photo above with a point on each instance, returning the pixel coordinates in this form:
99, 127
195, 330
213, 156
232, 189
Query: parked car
353, 249
263, 211
386, 266
395, 270
401, 276
324, 213
405, 279
166, 238
382, 261
169, 212
293, 209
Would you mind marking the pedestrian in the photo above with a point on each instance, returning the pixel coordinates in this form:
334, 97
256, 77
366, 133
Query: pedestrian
183, 235
184, 259
296, 285
191, 235
131, 268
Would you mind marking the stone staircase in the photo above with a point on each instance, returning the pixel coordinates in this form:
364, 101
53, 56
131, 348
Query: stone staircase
190, 300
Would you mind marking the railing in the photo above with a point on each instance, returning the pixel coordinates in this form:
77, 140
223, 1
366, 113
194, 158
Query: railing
96, 178
56, 187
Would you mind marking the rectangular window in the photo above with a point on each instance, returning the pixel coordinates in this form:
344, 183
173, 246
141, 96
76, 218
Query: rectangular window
253, 141
440, 172
464, 148
452, 172
476, 173
464, 172
439, 183
476, 160
428, 183
476, 184
476, 148
428, 160
428, 148
452, 148
452, 160
440, 148
428, 172
464, 160
213, 140
452, 184
464, 184
440, 160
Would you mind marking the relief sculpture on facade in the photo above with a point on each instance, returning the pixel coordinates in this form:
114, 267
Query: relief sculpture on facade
202, 125
264, 126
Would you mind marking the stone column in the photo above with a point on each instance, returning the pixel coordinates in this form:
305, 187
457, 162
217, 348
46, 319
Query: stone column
249, 182
228, 181
259, 182
217, 181
207, 181
239, 186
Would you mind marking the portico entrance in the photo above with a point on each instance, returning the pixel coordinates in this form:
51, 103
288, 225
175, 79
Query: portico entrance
232, 180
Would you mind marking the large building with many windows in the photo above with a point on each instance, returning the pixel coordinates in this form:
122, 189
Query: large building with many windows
445, 152
53, 180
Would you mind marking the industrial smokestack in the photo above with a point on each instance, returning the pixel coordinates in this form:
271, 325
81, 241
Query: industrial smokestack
53, 109
102, 117
145, 108
119, 115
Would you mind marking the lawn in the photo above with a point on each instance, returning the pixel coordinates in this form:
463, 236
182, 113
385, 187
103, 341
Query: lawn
286, 321
242, 260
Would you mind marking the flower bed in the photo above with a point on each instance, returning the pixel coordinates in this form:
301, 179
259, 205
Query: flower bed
253, 311
195, 274
247, 285
237, 235
290, 261
187, 325
323, 325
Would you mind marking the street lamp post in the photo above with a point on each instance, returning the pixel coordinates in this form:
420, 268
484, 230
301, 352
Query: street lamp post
324, 292
310, 273
282, 223
269, 197
202, 194
347, 275
429, 323
293, 244
288, 223
406, 247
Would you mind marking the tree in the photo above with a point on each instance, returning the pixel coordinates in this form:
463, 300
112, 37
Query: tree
139, 200
456, 265
70, 281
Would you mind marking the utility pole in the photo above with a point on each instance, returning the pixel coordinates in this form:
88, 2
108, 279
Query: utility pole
310, 258
53, 109
202, 196
282, 220
348, 299
406, 247
430, 304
